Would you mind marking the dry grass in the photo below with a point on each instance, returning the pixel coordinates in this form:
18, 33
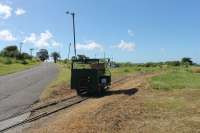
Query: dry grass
146, 111
195, 69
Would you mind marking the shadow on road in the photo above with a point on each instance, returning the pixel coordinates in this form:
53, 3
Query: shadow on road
128, 92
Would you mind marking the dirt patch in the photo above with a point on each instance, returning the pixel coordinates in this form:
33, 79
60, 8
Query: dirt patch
59, 93
129, 107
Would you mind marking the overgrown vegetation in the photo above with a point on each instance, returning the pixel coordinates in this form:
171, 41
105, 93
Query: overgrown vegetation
177, 78
175, 73
186, 61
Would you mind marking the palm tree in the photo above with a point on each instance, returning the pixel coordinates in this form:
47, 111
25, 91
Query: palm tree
55, 56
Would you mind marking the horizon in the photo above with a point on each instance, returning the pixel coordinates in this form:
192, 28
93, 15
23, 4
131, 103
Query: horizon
129, 31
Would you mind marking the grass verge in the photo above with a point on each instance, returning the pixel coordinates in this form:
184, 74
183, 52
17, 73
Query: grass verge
15, 67
59, 84
59, 87
176, 79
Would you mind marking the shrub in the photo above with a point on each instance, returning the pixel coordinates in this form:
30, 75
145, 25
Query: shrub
24, 56
24, 62
126, 70
173, 63
138, 69
7, 61
150, 64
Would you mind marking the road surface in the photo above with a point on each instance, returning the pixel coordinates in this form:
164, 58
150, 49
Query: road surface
20, 90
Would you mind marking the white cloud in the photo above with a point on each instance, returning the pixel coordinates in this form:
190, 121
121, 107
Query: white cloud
89, 45
6, 35
127, 46
44, 39
131, 33
20, 11
55, 44
30, 39
5, 11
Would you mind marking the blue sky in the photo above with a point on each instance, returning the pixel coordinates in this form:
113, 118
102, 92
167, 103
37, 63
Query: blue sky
128, 30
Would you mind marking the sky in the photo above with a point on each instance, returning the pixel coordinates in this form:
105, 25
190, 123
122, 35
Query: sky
126, 30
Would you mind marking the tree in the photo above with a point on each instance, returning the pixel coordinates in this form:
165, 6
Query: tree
173, 63
82, 57
43, 54
187, 61
55, 56
23, 56
10, 51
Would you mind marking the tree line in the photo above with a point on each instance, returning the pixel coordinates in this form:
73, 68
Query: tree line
12, 51
186, 61
43, 54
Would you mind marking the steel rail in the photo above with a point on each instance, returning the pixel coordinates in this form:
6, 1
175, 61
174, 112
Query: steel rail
44, 114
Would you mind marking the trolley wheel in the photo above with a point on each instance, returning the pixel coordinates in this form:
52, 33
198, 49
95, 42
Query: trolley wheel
100, 91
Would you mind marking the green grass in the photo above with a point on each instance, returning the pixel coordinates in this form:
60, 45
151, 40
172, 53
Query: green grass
122, 71
178, 78
15, 66
64, 75
63, 78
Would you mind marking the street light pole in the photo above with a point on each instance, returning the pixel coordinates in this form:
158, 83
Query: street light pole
74, 32
31, 51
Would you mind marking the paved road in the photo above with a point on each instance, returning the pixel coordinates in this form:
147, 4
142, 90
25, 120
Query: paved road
18, 91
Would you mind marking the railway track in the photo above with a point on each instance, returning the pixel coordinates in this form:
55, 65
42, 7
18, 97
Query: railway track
48, 109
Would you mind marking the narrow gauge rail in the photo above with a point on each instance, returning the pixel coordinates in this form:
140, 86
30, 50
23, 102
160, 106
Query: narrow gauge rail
51, 108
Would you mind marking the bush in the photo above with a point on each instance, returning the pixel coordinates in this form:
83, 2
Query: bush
126, 70
24, 62
150, 64
7, 61
138, 69
24, 56
173, 63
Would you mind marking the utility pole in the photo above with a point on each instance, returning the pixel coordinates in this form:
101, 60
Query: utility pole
69, 50
31, 51
20, 47
74, 32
